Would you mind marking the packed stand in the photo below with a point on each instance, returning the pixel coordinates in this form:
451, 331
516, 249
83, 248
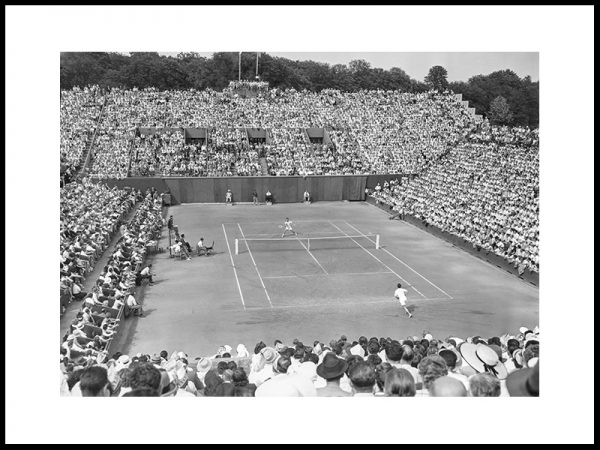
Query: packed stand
484, 191
418, 366
371, 131
79, 114
113, 294
90, 215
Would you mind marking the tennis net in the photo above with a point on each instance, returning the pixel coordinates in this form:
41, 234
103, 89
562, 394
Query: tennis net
368, 241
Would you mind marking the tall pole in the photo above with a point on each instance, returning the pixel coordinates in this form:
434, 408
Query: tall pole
240, 67
257, 64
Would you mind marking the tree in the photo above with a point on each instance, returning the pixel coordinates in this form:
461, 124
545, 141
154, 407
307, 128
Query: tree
437, 78
500, 113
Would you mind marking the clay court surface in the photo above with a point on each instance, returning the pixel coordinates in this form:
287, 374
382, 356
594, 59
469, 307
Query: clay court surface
286, 290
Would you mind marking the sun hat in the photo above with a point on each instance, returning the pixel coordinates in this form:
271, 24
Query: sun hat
483, 359
204, 365
156, 359
242, 351
357, 350
524, 382
318, 349
531, 338
269, 354
533, 362
308, 370
457, 340
279, 347
124, 360
331, 367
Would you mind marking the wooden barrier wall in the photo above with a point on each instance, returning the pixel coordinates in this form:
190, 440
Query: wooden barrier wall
284, 189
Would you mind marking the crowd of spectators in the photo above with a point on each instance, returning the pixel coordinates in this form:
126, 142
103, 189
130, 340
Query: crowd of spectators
111, 153
417, 366
484, 191
112, 295
90, 215
79, 113
371, 131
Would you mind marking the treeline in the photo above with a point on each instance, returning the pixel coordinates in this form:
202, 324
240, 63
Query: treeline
191, 71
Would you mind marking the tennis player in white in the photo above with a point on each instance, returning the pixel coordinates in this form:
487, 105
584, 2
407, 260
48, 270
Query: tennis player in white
288, 226
400, 294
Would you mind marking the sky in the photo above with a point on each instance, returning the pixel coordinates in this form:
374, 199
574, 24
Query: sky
460, 65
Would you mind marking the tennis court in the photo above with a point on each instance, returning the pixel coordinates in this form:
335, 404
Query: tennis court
337, 276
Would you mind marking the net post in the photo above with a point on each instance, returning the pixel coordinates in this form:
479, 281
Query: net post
377, 242
237, 252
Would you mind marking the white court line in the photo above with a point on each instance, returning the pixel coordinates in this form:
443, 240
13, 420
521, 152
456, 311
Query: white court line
233, 265
313, 256
321, 275
382, 263
276, 235
320, 305
295, 221
255, 266
399, 260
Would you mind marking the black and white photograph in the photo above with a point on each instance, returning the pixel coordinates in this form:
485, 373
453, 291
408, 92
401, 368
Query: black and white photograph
235, 218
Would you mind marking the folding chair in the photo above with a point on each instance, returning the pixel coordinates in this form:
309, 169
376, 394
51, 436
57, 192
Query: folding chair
207, 250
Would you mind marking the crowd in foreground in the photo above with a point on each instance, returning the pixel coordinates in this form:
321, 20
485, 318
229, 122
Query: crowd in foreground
484, 191
422, 366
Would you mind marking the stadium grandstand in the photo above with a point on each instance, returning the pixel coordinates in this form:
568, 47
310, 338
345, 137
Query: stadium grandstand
131, 159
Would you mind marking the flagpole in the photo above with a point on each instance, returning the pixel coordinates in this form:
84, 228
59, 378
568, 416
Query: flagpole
240, 67
257, 65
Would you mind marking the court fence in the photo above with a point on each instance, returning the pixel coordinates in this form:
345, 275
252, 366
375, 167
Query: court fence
481, 253
284, 189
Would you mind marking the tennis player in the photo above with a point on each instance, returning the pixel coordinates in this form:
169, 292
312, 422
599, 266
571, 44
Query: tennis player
400, 294
288, 226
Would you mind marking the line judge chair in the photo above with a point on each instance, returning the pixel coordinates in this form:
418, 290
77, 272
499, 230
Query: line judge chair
206, 250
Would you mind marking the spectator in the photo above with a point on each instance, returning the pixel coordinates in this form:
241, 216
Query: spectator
524, 382
484, 385
134, 306
399, 383
331, 370
430, 369
94, 382
145, 376
263, 369
146, 273
451, 358
362, 380
282, 384
242, 388
447, 387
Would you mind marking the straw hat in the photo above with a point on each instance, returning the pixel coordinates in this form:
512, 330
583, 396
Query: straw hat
483, 359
